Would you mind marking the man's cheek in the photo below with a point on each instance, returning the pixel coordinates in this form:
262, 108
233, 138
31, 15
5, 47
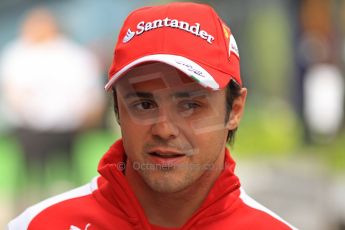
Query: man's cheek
208, 125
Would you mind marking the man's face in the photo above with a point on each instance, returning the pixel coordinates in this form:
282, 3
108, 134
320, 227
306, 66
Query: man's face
174, 130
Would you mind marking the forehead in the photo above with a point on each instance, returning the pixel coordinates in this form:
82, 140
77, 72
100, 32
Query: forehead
155, 77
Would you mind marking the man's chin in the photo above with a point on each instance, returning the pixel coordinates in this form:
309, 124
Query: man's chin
165, 182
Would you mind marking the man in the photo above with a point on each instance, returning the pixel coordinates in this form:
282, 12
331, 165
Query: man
178, 98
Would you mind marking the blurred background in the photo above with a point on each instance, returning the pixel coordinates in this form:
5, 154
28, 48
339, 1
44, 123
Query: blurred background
290, 147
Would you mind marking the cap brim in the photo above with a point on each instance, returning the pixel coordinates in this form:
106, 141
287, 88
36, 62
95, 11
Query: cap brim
196, 71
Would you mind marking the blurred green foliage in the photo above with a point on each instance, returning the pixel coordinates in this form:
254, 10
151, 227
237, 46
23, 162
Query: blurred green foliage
89, 149
332, 153
268, 129
270, 52
11, 164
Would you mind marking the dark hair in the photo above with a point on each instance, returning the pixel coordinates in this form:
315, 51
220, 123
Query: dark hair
233, 91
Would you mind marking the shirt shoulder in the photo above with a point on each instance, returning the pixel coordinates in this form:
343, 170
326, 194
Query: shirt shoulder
47, 207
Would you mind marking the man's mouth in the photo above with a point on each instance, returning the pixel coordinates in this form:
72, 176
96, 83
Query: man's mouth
166, 158
166, 154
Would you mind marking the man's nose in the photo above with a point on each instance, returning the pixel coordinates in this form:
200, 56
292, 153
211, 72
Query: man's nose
166, 127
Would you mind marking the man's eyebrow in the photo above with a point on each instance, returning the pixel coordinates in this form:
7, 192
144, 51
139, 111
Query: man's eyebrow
182, 94
138, 94
195, 93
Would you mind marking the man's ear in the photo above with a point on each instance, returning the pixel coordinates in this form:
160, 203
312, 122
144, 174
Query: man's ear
237, 110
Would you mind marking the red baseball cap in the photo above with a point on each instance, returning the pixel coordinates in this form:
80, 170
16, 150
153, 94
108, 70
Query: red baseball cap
188, 36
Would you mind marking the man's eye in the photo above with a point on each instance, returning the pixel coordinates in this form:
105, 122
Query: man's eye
188, 107
143, 105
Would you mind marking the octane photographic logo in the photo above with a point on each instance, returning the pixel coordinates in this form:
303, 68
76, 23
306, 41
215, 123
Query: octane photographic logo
143, 27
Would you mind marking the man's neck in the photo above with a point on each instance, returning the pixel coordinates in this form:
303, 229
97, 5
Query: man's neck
173, 209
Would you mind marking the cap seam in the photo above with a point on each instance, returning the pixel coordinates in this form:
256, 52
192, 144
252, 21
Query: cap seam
217, 30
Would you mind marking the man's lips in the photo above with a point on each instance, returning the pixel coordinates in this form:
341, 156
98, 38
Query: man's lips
166, 153
166, 157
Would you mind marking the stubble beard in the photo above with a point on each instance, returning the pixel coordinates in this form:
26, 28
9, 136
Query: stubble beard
168, 180
173, 180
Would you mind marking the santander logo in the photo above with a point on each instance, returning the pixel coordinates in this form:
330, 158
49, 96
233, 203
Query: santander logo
143, 27
129, 36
